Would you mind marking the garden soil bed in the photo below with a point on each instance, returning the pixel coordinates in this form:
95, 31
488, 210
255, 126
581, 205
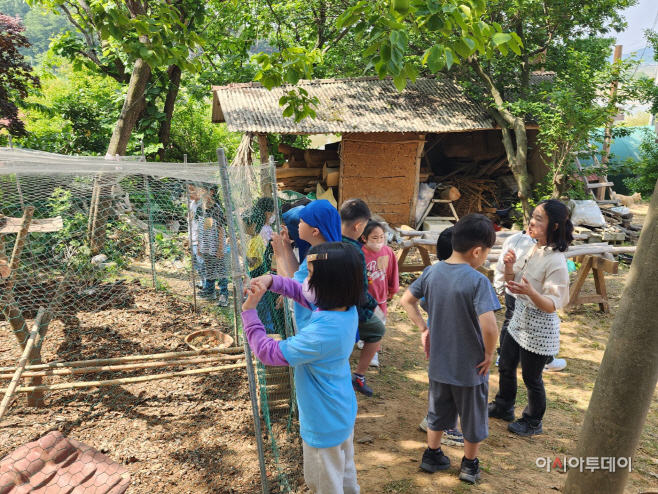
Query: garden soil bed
188, 434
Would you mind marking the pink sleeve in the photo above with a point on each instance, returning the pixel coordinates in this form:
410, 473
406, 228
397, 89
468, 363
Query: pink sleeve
266, 349
289, 288
393, 275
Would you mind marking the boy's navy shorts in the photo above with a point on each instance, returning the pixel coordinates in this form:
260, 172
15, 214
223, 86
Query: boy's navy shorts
448, 402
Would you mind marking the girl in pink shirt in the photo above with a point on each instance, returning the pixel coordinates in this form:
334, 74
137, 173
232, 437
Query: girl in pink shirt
382, 266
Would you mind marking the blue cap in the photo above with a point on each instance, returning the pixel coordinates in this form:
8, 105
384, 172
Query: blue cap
321, 214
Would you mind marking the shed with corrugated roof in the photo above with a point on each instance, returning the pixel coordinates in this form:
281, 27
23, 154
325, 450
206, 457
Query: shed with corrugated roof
390, 140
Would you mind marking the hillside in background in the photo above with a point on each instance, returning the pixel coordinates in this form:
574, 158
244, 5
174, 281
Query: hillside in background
40, 27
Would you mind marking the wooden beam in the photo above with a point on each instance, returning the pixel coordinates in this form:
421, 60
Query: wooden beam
265, 178
414, 196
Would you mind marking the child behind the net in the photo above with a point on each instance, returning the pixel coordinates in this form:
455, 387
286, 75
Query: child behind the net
320, 355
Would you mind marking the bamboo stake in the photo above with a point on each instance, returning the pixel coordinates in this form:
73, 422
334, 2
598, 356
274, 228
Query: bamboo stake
112, 368
20, 238
131, 358
13, 385
126, 380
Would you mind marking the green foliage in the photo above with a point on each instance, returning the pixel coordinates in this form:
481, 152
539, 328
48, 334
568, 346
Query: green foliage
40, 26
645, 169
170, 248
74, 113
153, 32
194, 135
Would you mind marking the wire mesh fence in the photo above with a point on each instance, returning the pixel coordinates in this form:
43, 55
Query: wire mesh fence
122, 362
251, 198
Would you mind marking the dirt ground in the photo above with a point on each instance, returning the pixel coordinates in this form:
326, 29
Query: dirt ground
188, 434
390, 463
195, 434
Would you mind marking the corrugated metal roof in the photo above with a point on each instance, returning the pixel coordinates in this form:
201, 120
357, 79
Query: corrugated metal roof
353, 105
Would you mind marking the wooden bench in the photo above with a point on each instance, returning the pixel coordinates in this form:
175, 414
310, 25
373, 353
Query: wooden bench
598, 266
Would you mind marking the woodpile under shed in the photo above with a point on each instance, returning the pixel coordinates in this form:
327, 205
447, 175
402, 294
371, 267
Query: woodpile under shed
305, 168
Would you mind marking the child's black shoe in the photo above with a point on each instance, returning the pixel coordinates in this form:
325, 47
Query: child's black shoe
496, 412
523, 427
434, 460
470, 471
360, 386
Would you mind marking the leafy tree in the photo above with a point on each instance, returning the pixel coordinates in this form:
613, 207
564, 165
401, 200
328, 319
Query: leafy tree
16, 76
146, 45
73, 112
490, 47
645, 168
572, 108
40, 26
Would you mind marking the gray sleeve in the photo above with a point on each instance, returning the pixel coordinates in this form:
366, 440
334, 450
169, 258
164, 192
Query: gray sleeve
417, 288
485, 299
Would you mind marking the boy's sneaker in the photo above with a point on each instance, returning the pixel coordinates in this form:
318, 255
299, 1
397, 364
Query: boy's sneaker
360, 386
207, 295
360, 344
375, 360
523, 427
556, 365
470, 471
433, 461
222, 300
496, 412
453, 437
423, 424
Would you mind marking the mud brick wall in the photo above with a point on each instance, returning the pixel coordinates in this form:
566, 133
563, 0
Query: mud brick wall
381, 168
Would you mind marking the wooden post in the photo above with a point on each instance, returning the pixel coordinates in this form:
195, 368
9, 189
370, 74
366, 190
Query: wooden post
22, 363
265, 180
20, 238
605, 152
7, 302
36, 399
414, 197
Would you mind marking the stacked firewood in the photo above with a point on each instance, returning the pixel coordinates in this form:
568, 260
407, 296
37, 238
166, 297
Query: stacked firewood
477, 195
305, 168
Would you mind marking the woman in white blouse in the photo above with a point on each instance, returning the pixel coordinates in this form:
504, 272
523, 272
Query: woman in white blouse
533, 335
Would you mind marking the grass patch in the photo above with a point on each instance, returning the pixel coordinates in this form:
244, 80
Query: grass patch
402, 486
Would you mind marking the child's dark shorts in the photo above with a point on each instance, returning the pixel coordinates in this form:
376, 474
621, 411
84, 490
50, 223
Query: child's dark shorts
372, 330
448, 402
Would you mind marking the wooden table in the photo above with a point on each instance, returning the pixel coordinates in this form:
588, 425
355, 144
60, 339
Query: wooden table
598, 266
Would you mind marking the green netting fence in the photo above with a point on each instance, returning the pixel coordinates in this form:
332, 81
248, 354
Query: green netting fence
122, 361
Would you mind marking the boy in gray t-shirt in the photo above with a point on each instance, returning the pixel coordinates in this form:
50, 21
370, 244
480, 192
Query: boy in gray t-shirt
459, 340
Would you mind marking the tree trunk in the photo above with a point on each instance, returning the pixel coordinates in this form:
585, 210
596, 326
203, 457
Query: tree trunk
170, 102
627, 376
265, 180
517, 155
132, 107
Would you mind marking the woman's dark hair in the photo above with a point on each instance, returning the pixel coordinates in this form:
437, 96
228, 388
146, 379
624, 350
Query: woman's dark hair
337, 277
473, 230
558, 214
370, 226
444, 244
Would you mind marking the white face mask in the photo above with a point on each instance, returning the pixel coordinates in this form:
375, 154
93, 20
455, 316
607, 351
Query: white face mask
272, 220
308, 292
375, 247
